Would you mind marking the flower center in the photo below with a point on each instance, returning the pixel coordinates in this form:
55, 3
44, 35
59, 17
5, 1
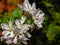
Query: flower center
10, 29
16, 32
36, 18
21, 25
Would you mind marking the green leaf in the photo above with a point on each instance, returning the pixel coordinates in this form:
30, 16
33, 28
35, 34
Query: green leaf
50, 35
17, 13
52, 31
28, 22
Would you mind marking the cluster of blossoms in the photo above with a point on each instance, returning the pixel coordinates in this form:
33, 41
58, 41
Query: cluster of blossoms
37, 15
12, 33
18, 31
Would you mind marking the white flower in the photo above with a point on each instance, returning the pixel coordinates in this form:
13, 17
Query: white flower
20, 32
37, 15
38, 18
20, 24
7, 30
27, 7
7, 34
20, 36
8, 26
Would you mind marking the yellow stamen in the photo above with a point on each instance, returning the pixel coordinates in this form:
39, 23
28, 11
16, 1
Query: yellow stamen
10, 29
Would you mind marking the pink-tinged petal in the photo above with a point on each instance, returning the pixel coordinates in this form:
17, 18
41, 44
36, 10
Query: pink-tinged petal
40, 20
25, 28
9, 40
24, 31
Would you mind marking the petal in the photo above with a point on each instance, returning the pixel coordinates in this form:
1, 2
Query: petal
17, 22
28, 35
5, 33
20, 6
33, 6
33, 9
27, 6
24, 37
11, 35
24, 42
15, 40
25, 28
20, 36
14, 27
23, 18
38, 13
40, 20
39, 25
26, 2
41, 14
4, 26
10, 24
9, 42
